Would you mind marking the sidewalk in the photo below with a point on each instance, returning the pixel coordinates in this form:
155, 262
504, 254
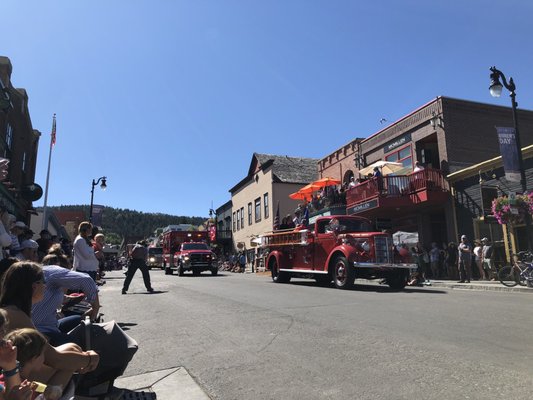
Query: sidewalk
168, 384
479, 285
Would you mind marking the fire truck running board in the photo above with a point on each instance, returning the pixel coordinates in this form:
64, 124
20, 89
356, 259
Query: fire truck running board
304, 271
382, 265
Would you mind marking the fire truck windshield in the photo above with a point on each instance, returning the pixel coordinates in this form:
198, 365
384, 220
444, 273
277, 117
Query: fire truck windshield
346, 225
194, 246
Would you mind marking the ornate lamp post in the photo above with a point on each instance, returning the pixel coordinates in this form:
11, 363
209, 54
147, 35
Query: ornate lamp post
495, 89
103, 186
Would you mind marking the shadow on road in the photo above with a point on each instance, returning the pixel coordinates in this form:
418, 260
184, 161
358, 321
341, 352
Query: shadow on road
358, 287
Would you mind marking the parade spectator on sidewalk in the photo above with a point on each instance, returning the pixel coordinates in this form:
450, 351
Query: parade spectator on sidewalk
28, 251
45, 241
464, 260
138, 261
22, 285
434, 255
487, 260
60, 278
5, 239
451, 260
477, 252
16, 229
84, 259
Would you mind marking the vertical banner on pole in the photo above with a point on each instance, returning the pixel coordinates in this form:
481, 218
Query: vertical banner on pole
97, 215
509, 151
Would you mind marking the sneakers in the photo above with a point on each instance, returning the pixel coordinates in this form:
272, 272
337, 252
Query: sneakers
124, 291
151, 290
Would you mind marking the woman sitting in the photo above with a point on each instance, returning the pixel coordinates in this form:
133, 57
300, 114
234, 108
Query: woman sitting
22, 285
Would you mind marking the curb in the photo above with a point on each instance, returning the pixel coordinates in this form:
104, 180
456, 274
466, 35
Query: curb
496, 287
167, 384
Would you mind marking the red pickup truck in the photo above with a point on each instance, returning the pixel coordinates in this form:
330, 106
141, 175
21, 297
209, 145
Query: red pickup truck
336, 248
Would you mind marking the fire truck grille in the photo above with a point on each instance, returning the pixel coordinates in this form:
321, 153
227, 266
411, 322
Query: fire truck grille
383, 249
200, 259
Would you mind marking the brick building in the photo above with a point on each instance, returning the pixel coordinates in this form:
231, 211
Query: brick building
446, 135
19, 144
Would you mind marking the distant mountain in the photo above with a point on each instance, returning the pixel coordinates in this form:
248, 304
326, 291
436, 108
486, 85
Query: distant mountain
128, 223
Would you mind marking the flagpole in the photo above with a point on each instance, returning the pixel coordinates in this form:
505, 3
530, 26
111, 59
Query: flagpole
52, 141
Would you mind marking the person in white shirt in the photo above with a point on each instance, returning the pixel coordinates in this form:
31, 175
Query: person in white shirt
84, 258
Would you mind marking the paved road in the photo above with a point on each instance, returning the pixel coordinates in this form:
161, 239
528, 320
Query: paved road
244, 337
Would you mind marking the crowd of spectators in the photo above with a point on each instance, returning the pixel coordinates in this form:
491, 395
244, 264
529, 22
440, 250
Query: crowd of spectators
37, 279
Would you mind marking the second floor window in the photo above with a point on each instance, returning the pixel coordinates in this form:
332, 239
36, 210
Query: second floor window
234, 228
249, 213
265, 201
238, 219
257, 204
242, 217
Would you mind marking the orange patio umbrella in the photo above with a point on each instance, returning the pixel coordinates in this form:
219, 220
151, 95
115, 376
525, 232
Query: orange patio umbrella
305, 192
326, 182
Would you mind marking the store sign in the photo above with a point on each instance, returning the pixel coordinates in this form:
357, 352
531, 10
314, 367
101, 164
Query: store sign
359, 208
398, 142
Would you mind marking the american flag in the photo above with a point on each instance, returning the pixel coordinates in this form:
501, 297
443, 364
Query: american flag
276, 219
54, 131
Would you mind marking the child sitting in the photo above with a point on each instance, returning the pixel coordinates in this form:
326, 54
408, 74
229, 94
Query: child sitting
30, 345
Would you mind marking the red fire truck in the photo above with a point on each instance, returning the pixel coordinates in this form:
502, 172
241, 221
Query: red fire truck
336, 248
187, 251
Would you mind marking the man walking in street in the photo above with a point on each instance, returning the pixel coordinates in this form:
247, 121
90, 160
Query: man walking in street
465, 260
138, 261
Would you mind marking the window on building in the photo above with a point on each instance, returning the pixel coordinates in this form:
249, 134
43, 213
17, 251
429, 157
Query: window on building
249, 213
265, 201
238, 219
403, 155
242, 217
257, 204
234, 221
9, 137
24, 162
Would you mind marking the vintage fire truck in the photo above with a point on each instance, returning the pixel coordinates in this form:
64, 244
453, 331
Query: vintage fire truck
337, 248
187, 251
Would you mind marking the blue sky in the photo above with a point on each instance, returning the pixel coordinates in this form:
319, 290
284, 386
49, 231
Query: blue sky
169, 99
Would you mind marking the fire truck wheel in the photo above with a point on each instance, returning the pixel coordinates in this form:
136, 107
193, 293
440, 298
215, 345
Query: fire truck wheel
397, 280
214, 271
196, 271
343, 274
277, 276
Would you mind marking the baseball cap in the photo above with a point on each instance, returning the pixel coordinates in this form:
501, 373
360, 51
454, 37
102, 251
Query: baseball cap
20, 224
484, 239
463, 237
29, 244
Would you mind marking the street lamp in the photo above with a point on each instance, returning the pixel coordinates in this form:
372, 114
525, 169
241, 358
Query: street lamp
495, 89
103, 186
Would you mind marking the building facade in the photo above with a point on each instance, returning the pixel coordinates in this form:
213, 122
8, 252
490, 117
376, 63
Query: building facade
474, 188
445, 135
264, 193
19, 144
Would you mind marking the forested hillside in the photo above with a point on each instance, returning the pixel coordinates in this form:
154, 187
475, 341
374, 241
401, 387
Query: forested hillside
125, 222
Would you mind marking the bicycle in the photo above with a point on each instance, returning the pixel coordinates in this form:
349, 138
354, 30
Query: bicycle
521, 272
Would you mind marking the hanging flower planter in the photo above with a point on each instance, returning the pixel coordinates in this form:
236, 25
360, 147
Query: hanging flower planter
515, 214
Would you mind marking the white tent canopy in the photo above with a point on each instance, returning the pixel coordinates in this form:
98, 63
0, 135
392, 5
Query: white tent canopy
405, 237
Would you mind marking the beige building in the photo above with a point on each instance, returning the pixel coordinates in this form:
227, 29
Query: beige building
256, 198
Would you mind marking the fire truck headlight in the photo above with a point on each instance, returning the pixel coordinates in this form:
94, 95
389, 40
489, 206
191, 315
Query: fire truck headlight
365, 246
152, 259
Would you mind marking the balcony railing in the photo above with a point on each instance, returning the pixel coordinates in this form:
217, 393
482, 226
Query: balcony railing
398, 186
224, 234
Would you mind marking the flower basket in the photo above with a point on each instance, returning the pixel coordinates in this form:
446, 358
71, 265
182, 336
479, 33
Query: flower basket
515, 214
